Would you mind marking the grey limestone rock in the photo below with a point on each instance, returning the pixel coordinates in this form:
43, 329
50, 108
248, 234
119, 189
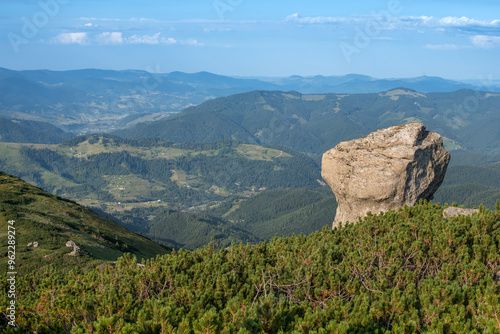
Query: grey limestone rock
453, 212
75, 250
33, 244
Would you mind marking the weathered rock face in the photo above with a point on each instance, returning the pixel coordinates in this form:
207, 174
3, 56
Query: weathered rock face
385, 170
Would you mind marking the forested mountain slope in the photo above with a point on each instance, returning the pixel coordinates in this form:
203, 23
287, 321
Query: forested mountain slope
471, 178
105, 170
315, 123
21, 131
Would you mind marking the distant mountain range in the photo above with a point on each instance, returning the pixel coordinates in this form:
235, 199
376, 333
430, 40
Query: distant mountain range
314, 123
310, 123
356, 83
92, 100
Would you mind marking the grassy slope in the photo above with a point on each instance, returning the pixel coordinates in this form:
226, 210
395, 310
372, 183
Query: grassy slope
52, 221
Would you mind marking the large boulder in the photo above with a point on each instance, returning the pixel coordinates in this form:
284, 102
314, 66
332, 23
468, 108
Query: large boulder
385, 170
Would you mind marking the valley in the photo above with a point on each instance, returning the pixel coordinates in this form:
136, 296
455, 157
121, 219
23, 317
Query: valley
156, 188
245, 167
184, 194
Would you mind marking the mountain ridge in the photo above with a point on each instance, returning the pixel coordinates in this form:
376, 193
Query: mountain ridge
330, 82
96, 100
25, 131
314, 123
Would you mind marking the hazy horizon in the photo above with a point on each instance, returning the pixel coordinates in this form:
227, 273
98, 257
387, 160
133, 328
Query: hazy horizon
258, 77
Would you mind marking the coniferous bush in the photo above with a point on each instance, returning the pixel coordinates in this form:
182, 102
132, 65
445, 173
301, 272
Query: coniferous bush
409, 271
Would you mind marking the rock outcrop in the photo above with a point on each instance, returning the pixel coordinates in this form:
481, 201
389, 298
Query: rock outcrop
385, 170
75, 250
453, 212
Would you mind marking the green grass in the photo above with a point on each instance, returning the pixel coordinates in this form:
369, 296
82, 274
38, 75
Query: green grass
254, 152
52, 221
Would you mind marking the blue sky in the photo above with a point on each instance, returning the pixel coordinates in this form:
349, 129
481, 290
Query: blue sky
385, 39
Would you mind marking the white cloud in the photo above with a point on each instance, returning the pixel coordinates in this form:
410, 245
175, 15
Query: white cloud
144, 39
103, 19
114, 38
117, 38
71, 38
478, 41
90, 24
384, 19
465, 21
169, 40
398, 22
486, 42
151, 39
317, 19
